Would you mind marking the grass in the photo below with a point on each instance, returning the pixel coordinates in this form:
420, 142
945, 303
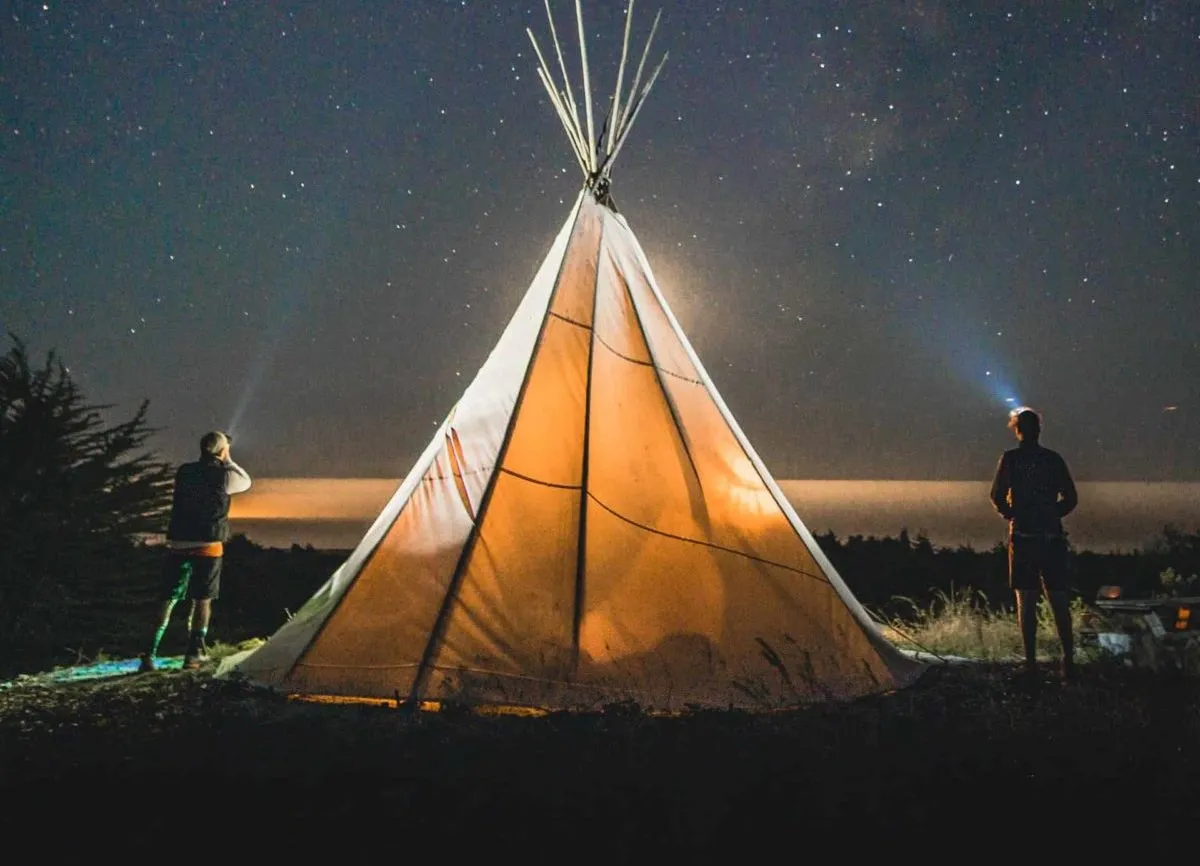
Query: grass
963, 624
219, 650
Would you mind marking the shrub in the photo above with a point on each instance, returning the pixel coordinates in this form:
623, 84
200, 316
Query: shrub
77, 495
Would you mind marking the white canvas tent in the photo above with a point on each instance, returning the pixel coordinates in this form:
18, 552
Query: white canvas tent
589, 524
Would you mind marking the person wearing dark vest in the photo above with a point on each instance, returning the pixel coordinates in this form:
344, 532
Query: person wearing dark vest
1033, 490
198, 528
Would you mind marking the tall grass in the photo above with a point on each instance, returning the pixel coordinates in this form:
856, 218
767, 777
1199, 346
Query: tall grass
963, 624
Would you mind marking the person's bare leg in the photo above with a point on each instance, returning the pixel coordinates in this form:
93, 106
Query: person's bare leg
201, 614
1060, 606
164, 620
198, 619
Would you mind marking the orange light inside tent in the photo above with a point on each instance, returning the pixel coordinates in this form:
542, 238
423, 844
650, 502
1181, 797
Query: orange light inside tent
389, 703
423, 706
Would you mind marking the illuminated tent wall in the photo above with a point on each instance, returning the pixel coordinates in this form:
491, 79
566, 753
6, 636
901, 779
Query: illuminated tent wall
589, 524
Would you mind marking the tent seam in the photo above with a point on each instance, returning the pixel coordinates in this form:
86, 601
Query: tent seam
581, 531
709, 544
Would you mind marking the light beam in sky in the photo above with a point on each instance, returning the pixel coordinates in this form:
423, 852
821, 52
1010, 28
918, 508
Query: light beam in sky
250, 385
999, 388
300, 277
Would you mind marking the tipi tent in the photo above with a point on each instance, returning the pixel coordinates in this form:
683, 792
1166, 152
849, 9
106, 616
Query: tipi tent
589, 524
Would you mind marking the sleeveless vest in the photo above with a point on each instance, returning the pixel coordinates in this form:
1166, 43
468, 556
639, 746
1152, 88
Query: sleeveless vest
200, 509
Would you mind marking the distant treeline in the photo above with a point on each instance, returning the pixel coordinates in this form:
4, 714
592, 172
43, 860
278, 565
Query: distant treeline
110, 608
884, 571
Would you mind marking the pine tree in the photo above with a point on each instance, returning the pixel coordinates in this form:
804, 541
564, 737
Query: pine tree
77, 498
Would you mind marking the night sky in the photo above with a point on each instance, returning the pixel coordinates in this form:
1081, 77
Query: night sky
876, 221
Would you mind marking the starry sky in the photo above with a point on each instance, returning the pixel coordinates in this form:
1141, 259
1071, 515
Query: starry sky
877, 220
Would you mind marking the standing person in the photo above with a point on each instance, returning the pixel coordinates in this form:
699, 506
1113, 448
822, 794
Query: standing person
195, 542
1033, 490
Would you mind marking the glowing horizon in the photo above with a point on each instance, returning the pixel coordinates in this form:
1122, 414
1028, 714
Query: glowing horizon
363, 498
1113, 515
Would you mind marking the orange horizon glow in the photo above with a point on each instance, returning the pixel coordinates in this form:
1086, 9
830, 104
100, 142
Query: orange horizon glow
1116, 515
313, 498
363, 498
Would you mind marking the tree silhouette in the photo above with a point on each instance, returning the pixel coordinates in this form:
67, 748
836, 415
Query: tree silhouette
77, 497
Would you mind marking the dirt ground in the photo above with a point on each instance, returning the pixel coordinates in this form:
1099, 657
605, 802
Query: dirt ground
960, 766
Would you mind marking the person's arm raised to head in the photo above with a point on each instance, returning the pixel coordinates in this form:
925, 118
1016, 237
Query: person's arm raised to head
237, 479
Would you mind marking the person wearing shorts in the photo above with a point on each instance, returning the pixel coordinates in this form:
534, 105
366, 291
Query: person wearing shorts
1033, 490
192, 574
195, 543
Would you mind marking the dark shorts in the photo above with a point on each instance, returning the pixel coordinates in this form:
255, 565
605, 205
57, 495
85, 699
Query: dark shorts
186, 575
1036, 562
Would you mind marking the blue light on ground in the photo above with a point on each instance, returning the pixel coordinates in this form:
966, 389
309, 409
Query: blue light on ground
99, 670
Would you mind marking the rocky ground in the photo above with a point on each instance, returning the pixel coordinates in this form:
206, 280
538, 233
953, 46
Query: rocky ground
186, 765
